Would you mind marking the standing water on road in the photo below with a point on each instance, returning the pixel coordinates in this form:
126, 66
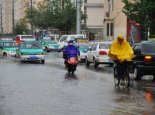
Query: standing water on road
36, 89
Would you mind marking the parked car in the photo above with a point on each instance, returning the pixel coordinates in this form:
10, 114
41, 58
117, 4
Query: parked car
7, 48
22, 38
98, 54
50, 45
30, 51
144, 59
83, 47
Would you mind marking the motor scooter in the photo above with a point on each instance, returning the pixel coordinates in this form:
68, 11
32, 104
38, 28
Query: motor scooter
72, 64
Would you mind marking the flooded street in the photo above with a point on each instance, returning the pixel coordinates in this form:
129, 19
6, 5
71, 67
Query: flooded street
47, 89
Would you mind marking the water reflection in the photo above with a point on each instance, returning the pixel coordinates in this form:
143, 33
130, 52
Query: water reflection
148, 97
71, 76
122, 90
101, 69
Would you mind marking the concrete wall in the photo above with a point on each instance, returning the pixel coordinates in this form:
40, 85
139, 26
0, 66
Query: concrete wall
7, 16
19, 12
94, 11
116, 16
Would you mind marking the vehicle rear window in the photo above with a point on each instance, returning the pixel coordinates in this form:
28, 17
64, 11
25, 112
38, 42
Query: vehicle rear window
27, 37
104, 46
148, 48
50, 41
30, 46
63, 38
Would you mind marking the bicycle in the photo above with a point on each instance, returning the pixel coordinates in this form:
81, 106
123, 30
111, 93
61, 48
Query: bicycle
121, 74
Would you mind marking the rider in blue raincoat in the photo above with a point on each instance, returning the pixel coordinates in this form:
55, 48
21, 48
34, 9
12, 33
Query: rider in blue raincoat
70, 51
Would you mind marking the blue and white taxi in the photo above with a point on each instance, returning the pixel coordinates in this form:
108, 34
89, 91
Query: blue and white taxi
30, 51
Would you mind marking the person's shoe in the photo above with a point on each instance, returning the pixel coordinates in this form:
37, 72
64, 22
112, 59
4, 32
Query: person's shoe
122, 83
153, 79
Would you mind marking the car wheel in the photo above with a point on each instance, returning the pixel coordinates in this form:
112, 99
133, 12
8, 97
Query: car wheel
136, 74
87, 62
42, 61
111, 64
16, 55
95, 64
4, 55
46, 49
153, 77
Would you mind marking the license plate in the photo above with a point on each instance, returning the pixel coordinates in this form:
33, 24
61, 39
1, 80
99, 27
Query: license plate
111, 61
33, 58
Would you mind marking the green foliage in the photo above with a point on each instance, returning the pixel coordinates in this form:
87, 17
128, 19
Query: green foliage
21, 27
53, 15
141, 11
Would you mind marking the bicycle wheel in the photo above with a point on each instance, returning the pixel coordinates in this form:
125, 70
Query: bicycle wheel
126, 80
116, 77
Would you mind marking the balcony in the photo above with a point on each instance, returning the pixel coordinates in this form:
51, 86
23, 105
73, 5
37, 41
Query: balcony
96, 5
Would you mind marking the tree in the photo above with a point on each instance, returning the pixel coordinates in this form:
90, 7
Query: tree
141, 11
21, 27
53, 14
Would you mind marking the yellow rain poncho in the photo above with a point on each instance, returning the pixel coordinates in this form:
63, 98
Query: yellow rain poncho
121, 52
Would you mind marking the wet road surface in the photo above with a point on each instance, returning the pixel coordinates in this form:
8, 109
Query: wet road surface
37, 89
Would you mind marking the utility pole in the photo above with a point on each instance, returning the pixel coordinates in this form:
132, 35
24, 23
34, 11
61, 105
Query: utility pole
13, 16
1, 20
48, 4
62, 4
78, 18
31, 17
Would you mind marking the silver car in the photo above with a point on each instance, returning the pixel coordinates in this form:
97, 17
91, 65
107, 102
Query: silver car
98, 54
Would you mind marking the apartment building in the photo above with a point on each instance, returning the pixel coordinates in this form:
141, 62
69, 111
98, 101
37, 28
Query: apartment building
1, 29
14, 10
94, 10
116, 21
6, 16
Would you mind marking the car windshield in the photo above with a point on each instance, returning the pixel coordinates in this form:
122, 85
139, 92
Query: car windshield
104, 46
30, 46
27, 37
50, 41
148, 48
9, 44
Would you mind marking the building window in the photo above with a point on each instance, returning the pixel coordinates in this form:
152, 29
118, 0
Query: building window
107, 29
109, 5
111, 29
112, 5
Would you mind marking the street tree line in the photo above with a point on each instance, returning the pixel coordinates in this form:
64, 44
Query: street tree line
61, 15
49, 15
143, 12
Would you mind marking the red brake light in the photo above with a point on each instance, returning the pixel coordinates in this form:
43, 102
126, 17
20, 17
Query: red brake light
72, 61
102, 53
147, 58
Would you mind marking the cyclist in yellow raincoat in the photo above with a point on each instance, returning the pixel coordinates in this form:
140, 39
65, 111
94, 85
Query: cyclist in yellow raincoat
121, 50
122, 53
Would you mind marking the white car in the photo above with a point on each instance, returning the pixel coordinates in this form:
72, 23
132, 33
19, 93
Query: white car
64, 38
98, 54
22, 38
54, 37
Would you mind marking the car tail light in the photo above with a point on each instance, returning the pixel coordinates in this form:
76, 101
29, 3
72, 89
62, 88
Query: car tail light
102, 53
72, 61
147, 58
